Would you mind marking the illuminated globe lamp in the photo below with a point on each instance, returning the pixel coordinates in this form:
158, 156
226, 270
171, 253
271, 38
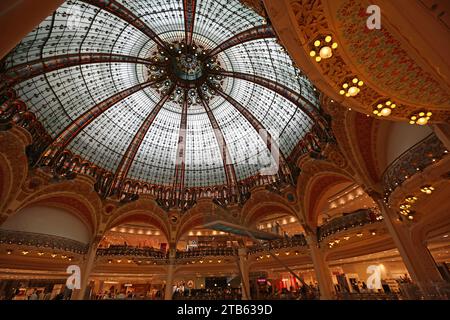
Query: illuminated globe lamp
323, 48
384, 109
351, 88
420, 118
411, 199
427, 189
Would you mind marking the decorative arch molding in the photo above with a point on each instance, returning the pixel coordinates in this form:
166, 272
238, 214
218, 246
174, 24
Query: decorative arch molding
311, 171
76, 196
299, 23
317, 187
143, 210
13, 164
71, 203
203, 212
263, 203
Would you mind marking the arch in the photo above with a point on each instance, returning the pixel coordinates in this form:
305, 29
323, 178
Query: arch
49, 221
76, 196
394, 138
263, 203
203, 212
145, 210
316, 189
316, 178
13, 164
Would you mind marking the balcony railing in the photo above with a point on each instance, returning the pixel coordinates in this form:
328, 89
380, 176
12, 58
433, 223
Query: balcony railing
131, 252
285, 243
353, 220
412, 161
42, 241
207, 252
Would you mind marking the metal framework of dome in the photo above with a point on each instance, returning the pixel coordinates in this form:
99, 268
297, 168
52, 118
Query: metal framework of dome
166, 98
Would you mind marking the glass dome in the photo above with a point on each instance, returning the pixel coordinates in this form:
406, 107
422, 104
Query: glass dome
171, 93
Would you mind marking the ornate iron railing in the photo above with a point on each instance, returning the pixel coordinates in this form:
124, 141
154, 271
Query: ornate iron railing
131, 252
412, 161
42, 241
207, 252
285, 243
353, 220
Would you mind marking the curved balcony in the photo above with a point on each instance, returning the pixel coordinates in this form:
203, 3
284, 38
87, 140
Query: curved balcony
412, 161
125, 251
42, 241
206, 252
285, 243
353, 220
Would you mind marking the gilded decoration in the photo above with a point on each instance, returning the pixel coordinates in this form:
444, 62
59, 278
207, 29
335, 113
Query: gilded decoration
385, 61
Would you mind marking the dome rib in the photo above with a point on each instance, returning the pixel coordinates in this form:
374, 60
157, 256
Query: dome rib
256, 33
189, 19
127, 159
70, 132
230, 171
180, 160
297, 99
119, 10
271, 144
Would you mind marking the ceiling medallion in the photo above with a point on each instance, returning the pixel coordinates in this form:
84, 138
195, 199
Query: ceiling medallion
188, 69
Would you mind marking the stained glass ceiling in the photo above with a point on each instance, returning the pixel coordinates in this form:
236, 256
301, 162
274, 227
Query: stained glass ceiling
163, 91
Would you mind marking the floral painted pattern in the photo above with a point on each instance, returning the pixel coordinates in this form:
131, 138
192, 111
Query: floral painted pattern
385, 61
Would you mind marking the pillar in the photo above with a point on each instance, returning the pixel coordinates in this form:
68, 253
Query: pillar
20, 17
86, 268
245, 278
168, 295
442, 131
323, 273
414, 252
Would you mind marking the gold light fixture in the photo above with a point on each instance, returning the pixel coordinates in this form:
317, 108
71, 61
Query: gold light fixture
351, 88
40, 254
427, 189
323, 48
411, 199
384, 109
9, 251
405, 206
420, 118
405, 212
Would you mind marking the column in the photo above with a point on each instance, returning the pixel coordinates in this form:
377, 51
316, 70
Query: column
20, 17
86, 269
414, 252
245, 278
442, 131
323, 273
168, 295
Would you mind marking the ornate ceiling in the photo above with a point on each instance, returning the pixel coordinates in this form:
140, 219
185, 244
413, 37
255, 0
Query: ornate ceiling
393, 62
169, 93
